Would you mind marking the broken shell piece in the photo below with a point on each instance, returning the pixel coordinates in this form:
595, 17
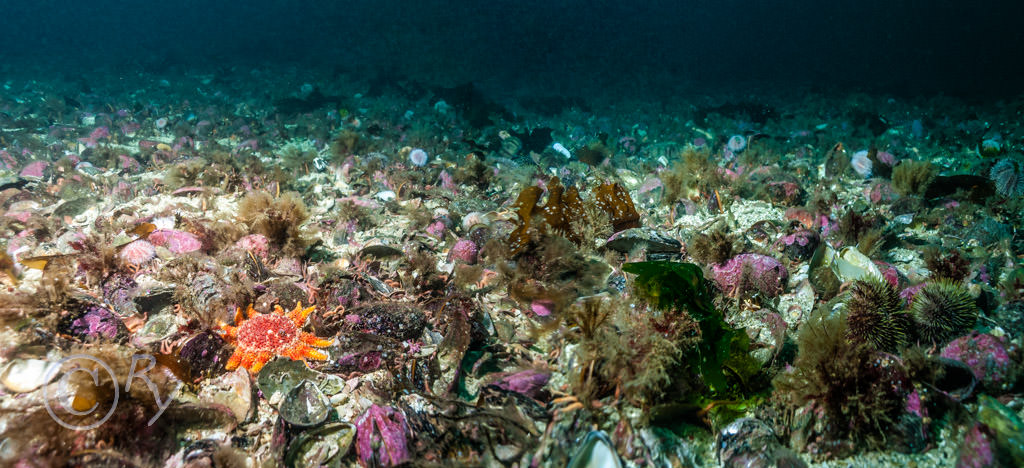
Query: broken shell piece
851, 265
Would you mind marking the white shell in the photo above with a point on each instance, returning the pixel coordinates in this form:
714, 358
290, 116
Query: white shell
26, 375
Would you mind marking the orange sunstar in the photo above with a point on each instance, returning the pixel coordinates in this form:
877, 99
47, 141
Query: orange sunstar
261, 337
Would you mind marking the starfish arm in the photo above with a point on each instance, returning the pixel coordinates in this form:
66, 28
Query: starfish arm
228, 331
310, 353
247, 359
239, 318
278, 310
298, 314
261, 359
312, 340
233, 361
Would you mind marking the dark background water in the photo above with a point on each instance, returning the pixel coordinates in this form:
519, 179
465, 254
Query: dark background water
898, 47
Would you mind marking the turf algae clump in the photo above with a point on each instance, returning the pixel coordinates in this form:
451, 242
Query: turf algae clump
721, 359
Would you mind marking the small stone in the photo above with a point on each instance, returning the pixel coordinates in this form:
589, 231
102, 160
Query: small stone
399, 321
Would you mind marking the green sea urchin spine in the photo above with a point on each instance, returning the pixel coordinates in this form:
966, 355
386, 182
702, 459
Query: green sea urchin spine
943, 310
875, 315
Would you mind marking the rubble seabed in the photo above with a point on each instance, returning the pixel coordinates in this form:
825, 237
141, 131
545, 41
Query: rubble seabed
454, 268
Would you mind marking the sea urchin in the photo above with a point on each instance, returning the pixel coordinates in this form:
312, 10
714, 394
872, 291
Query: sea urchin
875, 315
943, 310
261, 337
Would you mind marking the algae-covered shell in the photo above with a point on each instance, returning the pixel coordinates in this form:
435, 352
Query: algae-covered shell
324, 446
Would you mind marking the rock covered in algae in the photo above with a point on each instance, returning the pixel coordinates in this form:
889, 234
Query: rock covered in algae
750, 442
751, 273
987, 357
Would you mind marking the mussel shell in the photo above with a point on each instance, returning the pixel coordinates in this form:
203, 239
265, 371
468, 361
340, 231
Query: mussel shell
597, 451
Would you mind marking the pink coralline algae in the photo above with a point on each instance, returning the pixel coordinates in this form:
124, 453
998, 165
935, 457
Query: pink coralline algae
34, 169
137, 252
93, 139
987, 357
542, 307
751, 273
977, 449
258, 244
381, 437
178, 242
464, 251
891, 275
436, 229
881, 192
908, 293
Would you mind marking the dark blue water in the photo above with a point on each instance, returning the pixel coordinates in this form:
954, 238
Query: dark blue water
899, 47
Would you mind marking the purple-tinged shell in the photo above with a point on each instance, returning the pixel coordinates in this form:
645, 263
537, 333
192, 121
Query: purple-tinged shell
205, 355
528, 382
381, 437
987, 357
749, 273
